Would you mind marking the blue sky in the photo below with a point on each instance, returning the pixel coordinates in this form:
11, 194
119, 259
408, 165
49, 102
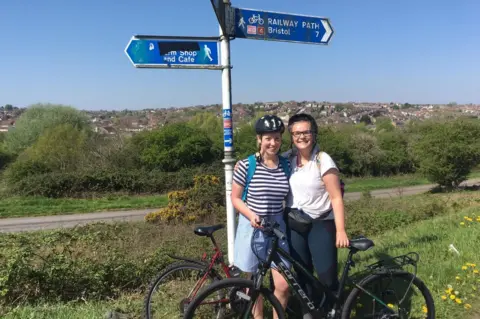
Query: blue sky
72, 52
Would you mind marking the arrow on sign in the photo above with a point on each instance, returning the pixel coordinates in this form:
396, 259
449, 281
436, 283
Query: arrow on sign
328, 31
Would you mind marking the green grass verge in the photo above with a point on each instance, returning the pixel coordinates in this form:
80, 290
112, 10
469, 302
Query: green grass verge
438, 267
41, 206
362, 184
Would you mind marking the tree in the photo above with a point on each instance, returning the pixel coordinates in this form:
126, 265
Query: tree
212, 125
366, 155
8, 107
396, 158
38, 118
173, 147
384, 124
447, 151
335, 141
61, 148
366, 119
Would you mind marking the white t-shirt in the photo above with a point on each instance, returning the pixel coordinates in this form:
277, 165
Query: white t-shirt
307, 190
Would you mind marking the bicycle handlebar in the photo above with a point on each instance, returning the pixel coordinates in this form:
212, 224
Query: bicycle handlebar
272, 227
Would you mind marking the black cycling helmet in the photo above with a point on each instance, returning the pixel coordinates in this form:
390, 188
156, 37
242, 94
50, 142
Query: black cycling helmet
301, 117
269, 124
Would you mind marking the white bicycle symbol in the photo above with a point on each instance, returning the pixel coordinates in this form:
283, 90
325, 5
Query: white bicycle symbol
256, 19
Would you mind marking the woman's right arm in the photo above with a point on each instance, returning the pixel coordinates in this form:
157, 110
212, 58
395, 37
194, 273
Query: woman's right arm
241, 207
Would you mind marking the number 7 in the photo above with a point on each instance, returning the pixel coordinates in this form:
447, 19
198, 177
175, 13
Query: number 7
318, 33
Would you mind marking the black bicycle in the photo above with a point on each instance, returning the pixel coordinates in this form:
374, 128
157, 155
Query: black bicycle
369, 298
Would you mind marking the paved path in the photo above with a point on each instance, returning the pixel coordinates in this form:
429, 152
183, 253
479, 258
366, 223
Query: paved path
59, 221
403, 191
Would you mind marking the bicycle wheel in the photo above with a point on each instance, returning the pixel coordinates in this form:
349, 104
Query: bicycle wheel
170, 292
230, 299
415, 302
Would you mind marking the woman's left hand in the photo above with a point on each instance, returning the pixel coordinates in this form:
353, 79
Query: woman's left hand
342, 239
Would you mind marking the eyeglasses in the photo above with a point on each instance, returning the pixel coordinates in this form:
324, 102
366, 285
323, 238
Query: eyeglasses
304, 133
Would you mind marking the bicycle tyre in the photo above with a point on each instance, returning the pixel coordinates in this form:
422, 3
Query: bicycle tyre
168, 270
350, 303
234, 283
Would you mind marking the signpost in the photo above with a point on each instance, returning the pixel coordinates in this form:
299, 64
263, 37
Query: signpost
219, 8
203, 53
182, 53
275, 26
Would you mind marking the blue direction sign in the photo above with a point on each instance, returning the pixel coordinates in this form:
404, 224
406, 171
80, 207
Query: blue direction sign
275, 26
167, 53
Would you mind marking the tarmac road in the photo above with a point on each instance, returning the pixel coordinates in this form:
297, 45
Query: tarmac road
64, 221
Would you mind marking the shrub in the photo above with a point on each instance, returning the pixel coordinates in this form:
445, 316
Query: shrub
96, 261
38, 118
369, 216
28, 180
447, 152
204, 201
173, 147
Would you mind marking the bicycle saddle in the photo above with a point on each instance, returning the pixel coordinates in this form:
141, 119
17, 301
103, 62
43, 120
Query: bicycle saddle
207, 230
361, 243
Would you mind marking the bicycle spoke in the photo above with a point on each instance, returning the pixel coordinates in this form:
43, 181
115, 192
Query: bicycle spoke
405, 299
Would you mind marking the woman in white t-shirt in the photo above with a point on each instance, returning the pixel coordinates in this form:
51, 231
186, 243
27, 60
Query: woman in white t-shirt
315, 195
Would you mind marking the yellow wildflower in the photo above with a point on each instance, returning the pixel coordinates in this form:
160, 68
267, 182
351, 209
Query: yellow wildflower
452, 297
475, 271
390, 305
464, 267
462, 223
458, 278
425, 309
458, 300
444, 297
468, 306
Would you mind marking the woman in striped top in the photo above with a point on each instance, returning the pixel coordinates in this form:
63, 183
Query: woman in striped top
267, 190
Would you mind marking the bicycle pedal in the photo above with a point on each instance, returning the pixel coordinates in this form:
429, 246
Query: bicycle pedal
235, 271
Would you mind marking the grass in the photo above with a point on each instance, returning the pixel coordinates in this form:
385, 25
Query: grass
439, 267
41, 206
361, 184
431, 238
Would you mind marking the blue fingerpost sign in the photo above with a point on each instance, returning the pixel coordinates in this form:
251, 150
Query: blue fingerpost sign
276, 26
172, 53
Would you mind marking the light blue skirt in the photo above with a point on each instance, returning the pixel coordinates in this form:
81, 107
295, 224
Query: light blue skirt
244, 257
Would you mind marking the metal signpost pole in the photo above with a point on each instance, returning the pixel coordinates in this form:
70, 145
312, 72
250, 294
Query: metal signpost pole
229, 159
171, 52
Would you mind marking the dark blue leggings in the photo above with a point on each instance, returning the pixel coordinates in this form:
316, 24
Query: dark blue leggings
316, 249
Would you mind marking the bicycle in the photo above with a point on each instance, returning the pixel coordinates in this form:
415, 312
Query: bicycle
256, 19
203, 270
242, 294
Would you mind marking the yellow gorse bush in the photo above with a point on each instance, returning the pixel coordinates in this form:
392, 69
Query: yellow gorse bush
187, 206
